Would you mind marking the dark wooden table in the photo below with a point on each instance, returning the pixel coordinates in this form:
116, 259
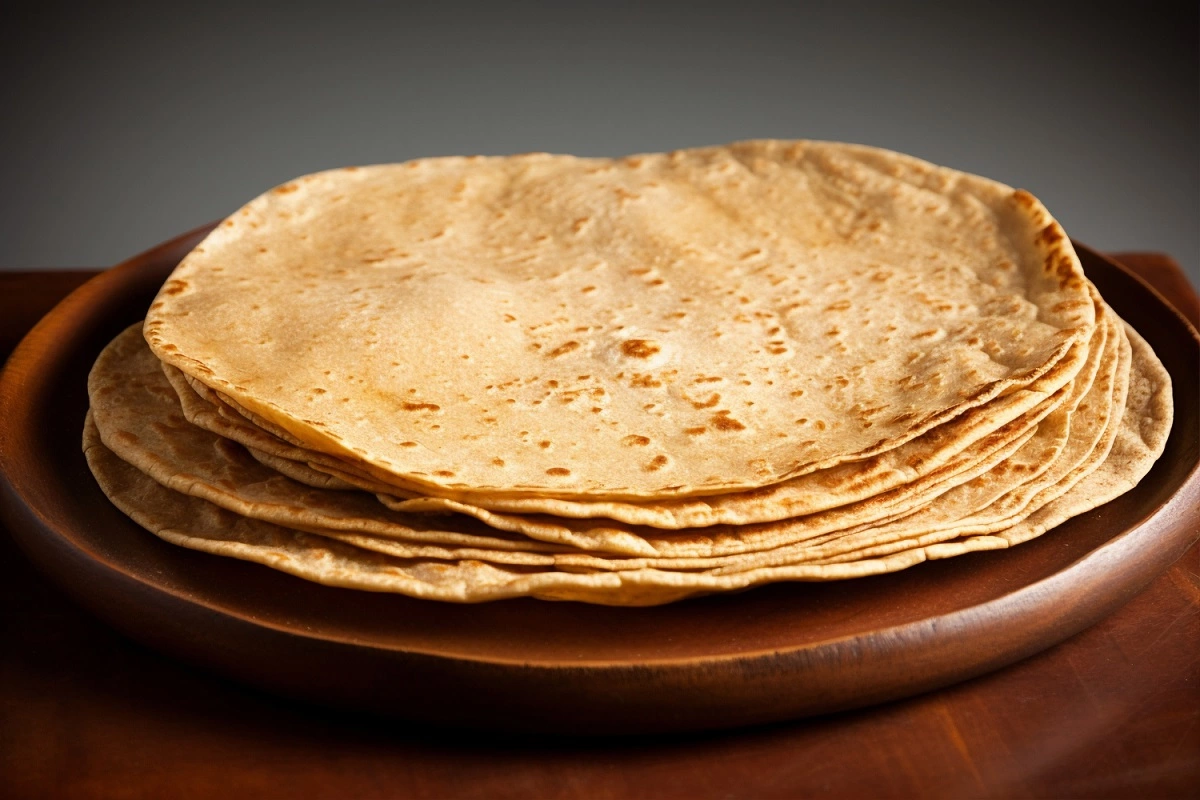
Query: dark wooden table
1112, 712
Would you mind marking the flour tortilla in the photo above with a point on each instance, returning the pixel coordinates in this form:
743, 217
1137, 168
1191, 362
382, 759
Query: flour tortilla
139, 417
194, 523
807, 494
1071, 443
1139, 441
642, 328
199, 525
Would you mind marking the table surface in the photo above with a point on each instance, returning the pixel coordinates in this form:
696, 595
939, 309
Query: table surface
84, 712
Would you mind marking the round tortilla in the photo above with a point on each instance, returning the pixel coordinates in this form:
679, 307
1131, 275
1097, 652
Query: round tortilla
198, 524
661, 326
139, 418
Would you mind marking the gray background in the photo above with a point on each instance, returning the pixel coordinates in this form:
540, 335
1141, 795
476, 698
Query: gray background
125, 125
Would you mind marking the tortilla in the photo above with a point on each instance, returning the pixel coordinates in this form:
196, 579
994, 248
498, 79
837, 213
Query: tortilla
139, 418
195, 523
806, 494
661, 326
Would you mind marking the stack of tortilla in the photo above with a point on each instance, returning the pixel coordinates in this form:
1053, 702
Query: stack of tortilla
624, 381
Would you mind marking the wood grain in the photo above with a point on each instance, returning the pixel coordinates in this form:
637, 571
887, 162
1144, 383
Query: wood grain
1110, 712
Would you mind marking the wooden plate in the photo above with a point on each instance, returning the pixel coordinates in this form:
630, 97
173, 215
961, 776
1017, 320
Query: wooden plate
772, 653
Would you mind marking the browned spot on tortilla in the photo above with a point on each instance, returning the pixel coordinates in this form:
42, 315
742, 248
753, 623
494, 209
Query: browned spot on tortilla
499, 462
1024, 198
712, 400
644, 382
174, 287
420, 407
633, 440
1050, 235
723, 422
408, 444
655, 464
445, 473
127, 437
840, 305
695, 431
563, 349
558, 471
639, 348
287, 188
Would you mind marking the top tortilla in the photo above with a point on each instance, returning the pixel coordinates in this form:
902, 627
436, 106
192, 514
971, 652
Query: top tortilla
667, 325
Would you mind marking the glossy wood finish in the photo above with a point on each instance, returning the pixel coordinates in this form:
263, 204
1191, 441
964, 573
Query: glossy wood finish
1118, 715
